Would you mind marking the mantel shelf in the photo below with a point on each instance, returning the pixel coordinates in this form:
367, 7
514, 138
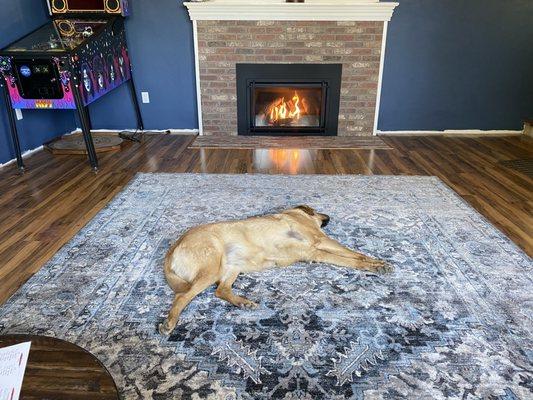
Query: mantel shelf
279, 10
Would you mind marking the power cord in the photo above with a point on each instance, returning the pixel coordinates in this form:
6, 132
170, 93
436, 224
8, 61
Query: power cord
135, 136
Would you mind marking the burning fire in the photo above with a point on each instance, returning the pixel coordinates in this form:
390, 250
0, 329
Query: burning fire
280, 110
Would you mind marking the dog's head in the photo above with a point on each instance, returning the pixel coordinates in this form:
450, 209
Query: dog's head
321, 219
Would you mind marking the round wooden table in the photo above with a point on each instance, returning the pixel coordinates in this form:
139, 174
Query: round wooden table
60, 370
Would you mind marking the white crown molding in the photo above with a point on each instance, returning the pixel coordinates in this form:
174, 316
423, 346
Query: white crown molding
279, 10
197, 78
380, 76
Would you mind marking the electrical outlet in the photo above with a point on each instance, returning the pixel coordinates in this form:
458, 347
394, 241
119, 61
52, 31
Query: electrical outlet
145, 97
18, 113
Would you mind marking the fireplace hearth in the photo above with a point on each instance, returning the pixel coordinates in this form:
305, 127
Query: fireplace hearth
288, 99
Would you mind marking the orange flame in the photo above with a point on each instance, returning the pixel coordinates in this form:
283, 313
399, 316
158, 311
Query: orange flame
281, 110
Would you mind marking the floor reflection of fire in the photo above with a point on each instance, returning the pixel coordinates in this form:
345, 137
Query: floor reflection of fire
290, 161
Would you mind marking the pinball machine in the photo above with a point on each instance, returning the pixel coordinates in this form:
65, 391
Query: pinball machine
68, 63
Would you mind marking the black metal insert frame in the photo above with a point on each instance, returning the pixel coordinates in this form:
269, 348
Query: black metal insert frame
322, 78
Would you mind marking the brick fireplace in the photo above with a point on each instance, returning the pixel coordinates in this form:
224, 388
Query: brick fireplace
346, 32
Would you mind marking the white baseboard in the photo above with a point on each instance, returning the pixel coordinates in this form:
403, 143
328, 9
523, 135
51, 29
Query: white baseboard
25, 154
451, 132
146, 132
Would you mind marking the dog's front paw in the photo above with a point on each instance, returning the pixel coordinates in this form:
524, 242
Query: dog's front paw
164, 329
380, 267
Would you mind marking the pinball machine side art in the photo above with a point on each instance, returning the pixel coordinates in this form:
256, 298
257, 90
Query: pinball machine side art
103, 63
117, 7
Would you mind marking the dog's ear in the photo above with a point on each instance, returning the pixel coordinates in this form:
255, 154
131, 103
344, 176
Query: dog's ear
306, 209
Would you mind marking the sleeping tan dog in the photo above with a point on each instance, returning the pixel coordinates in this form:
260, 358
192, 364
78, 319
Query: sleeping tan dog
219, 252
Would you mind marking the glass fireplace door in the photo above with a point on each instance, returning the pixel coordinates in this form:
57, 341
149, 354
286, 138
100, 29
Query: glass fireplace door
287, 106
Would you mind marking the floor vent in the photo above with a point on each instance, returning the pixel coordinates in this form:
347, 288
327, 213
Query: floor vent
524, 165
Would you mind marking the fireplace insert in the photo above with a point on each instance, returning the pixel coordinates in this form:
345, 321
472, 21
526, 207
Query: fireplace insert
288, 99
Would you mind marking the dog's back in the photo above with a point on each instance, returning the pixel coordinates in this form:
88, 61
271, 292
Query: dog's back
247, 245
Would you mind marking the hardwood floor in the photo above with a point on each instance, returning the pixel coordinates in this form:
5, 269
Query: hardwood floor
60, 370
41, 210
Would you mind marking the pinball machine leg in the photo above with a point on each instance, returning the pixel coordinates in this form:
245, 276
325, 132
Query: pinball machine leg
133, 92
87, 137
13, 126
86, 129
88, 116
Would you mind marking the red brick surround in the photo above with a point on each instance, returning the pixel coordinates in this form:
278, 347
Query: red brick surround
222, 44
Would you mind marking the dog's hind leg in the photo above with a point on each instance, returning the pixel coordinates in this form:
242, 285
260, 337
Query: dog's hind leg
225, 292
332, 252
181, 300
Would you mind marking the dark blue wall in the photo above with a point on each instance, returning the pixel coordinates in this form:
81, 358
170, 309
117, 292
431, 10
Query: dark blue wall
454, 64
17, 18
162, 52
450, 64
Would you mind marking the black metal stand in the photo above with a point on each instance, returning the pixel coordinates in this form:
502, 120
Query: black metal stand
85, 127
133, 92
88, 115
137, 135
13, 125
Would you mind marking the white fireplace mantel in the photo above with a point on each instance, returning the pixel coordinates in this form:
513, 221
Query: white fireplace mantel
279, 10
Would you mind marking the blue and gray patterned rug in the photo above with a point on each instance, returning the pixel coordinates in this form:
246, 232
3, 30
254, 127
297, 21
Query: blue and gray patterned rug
453, 322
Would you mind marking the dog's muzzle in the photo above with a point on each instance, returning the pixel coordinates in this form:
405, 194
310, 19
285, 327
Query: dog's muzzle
325, 220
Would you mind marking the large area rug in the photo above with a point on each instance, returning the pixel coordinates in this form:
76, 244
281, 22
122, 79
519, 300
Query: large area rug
453, 322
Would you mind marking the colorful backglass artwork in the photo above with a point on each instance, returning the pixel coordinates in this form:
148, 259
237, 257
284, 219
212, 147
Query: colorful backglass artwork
89, 6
